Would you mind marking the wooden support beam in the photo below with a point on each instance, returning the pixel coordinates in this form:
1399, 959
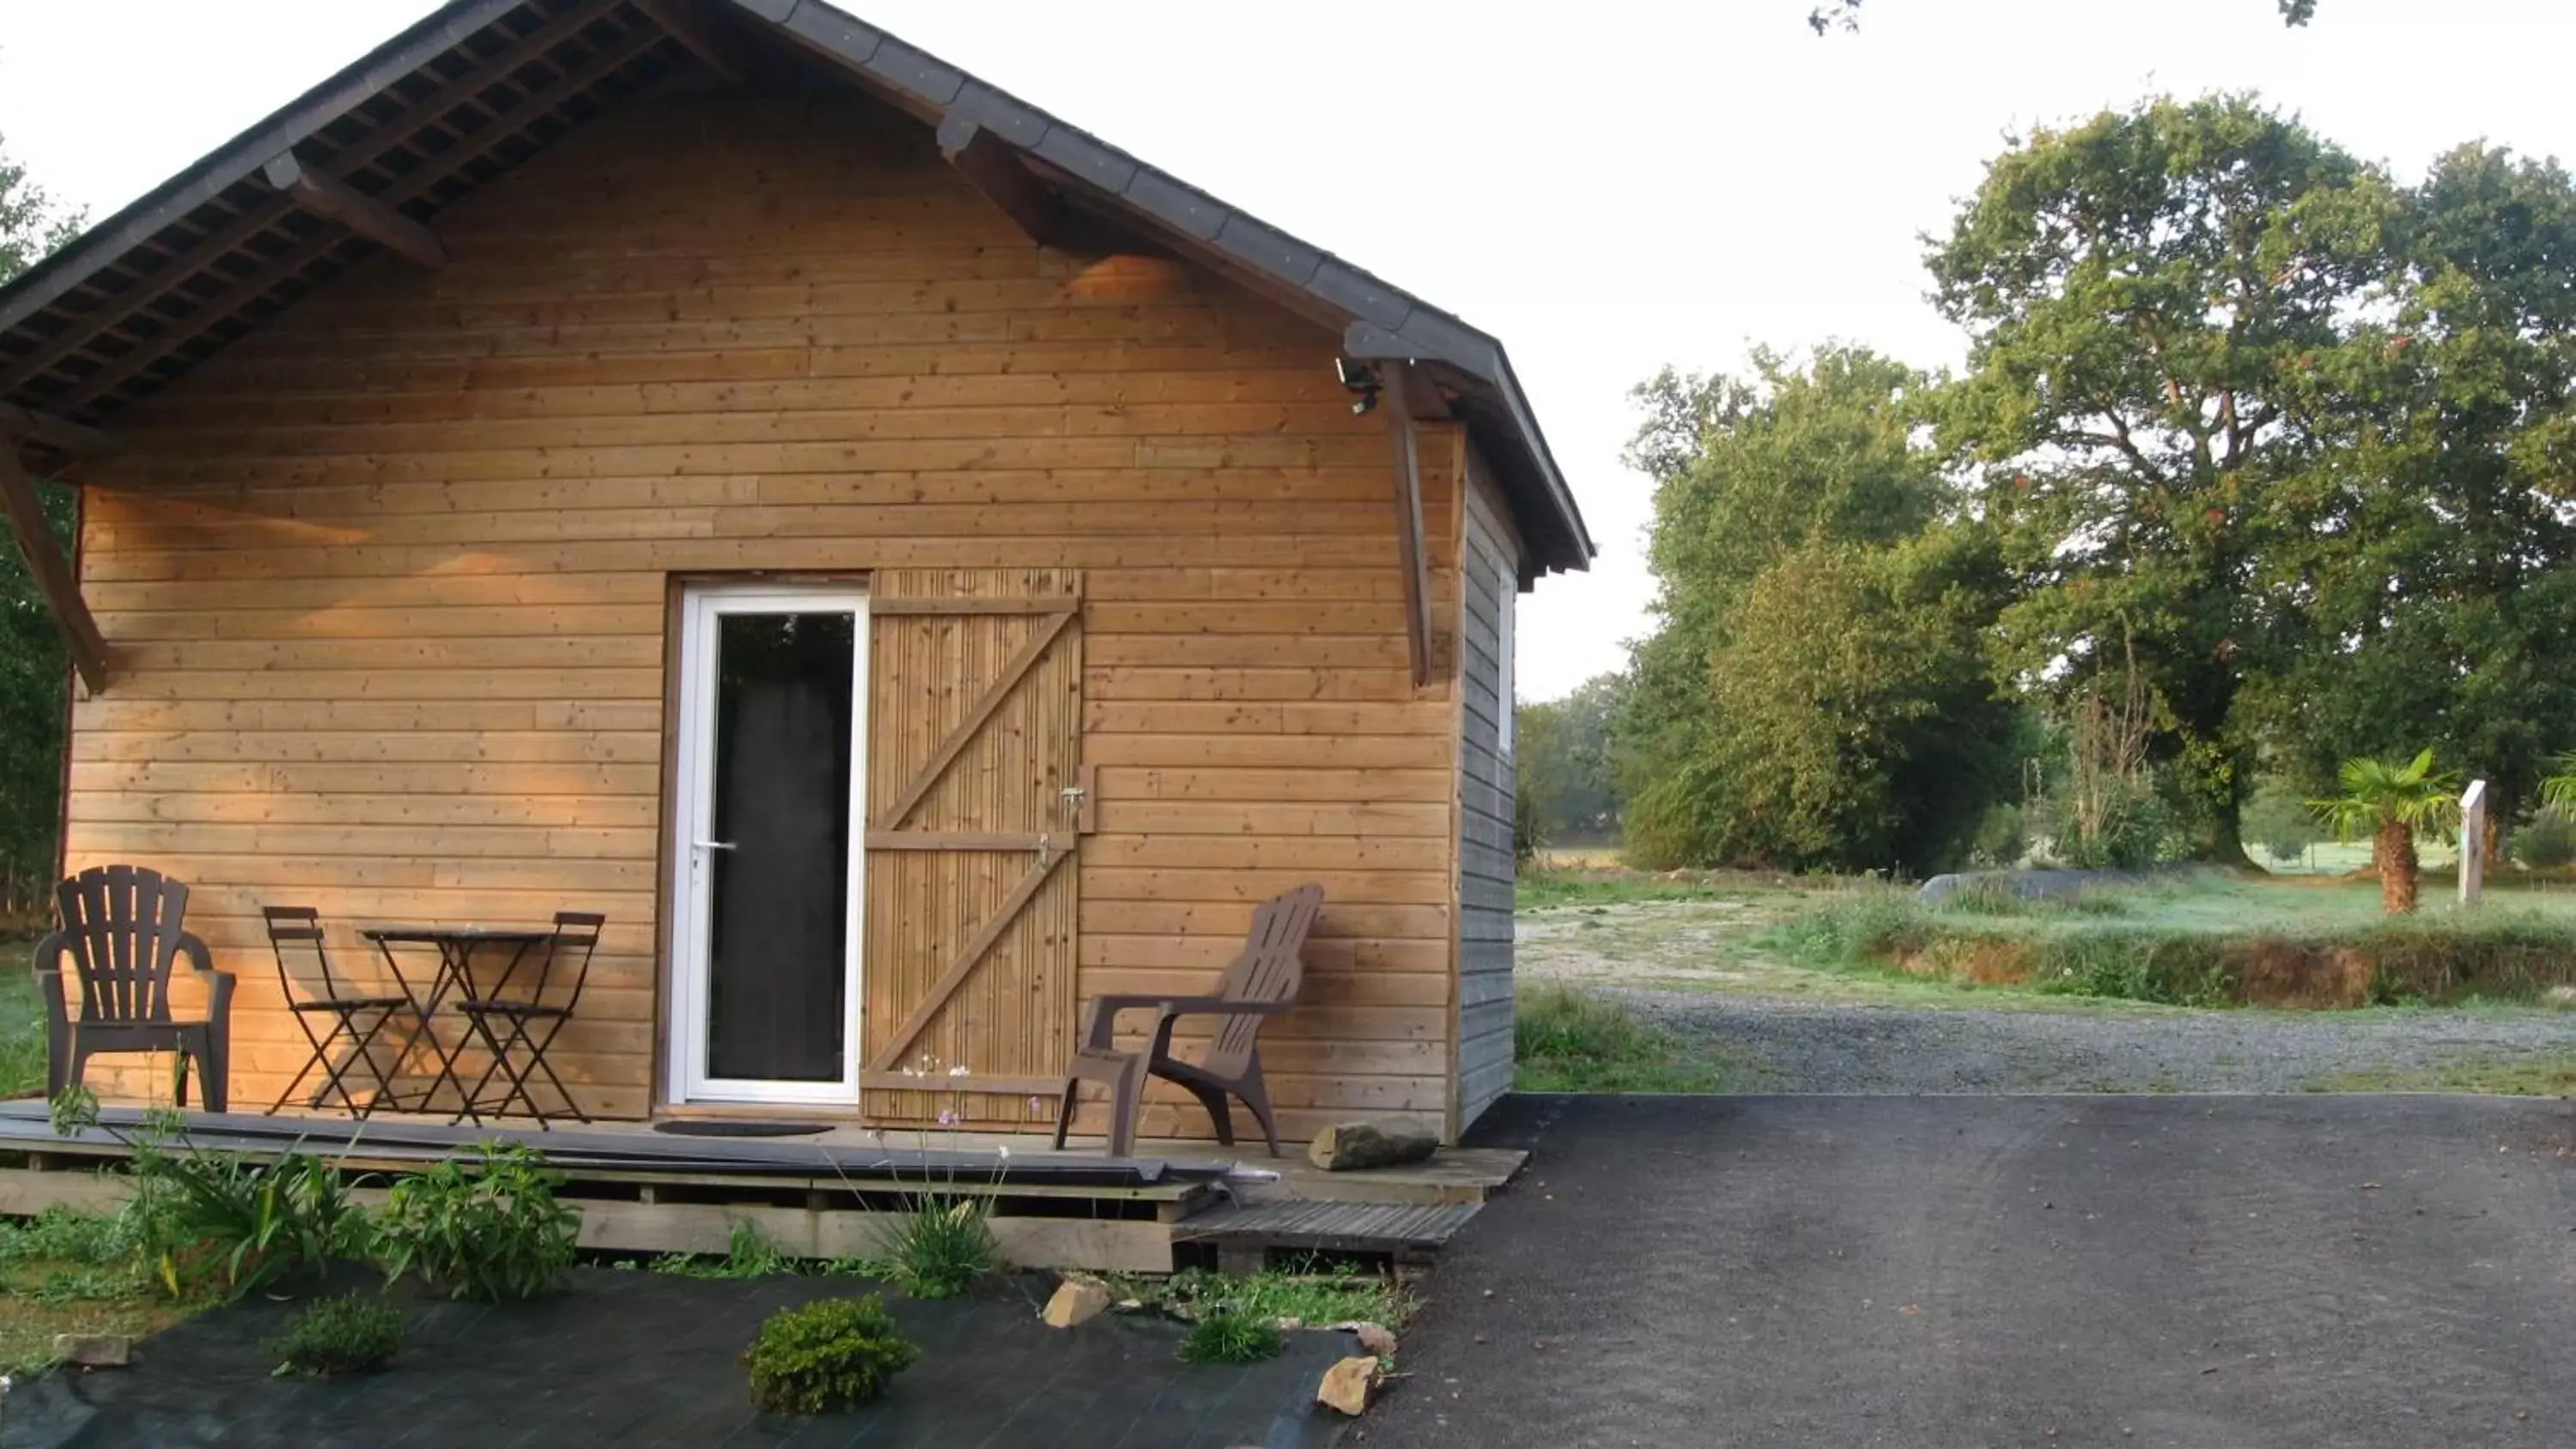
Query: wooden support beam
717, 48
995, 168
329, 196
1412, 555
61, 434
51, 571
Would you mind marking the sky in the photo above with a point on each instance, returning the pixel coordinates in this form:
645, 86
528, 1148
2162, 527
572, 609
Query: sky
1608, 188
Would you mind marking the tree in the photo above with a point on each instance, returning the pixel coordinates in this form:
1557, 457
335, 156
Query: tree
33, 666
2391, 802
2152, 298
1814, 693
2435, 561
1567, 772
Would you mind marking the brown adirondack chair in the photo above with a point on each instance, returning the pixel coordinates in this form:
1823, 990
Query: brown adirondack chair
122, 930
1262, 982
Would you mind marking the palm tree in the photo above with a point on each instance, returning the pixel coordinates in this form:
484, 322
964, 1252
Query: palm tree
2390, 803
2558, 792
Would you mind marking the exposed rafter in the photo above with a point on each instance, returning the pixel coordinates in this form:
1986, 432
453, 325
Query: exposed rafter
329, 196
717, 48
51, 571
19, 424
995, 168
507, 123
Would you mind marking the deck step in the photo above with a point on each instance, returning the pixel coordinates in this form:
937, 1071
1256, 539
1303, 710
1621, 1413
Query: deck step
1406, 1232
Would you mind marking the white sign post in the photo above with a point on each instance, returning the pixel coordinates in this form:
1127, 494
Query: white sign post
2473, 844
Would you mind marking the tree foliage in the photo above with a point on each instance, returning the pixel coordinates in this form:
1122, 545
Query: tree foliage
1568, 774
1815, 692
2435, 567
2155, 301
33, 666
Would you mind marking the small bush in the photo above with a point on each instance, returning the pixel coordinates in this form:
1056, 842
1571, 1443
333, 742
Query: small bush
1227, 1336
350, 1335
833, 1353
942, 1246
486, 1232
2547, 843
219, 1222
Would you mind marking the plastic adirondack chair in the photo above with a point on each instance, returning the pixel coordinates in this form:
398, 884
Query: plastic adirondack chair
122, 929
1261, 983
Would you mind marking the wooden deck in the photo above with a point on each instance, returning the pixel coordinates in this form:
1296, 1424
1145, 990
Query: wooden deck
831, 1194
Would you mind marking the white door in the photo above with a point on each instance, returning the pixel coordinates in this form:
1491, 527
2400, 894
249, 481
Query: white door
769, 833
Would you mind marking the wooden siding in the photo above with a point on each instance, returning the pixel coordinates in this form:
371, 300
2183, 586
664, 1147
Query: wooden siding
386, 582
1491, 561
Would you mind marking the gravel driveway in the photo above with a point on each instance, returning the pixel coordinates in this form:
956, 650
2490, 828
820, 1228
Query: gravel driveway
1698, 969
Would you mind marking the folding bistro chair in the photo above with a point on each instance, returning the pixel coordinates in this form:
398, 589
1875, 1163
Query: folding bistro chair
507, 1025
355, 1018
121, 927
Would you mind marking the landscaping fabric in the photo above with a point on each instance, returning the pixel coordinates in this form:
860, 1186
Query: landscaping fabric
634, 1358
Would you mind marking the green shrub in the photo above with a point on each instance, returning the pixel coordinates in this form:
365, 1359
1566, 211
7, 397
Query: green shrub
832, 1353
1227, 1336
486, 1232
2547, 843
222, 1223
65, 1234
2002, 838
349, 1335
942, 1245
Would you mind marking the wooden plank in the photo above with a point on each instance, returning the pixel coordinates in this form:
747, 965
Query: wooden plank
1041, 605
330, 197
953, 840
1096, 1245
977, 716
52, 572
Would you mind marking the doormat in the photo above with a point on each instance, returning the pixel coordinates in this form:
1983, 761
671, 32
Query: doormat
729, 1128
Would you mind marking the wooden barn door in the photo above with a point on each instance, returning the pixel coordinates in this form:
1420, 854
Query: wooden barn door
977, 801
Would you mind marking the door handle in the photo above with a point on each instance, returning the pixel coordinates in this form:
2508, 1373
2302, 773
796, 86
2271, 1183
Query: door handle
712, 844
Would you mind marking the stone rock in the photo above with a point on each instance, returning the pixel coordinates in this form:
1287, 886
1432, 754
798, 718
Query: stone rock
1348, 1385
94, 1350
2560, 996
1375, 1339
1077, 1301
1351, 1146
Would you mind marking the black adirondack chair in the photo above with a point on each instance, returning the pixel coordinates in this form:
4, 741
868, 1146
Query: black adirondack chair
122, 929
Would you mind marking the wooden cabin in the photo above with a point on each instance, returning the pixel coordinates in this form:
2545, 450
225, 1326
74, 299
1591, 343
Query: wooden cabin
911, 565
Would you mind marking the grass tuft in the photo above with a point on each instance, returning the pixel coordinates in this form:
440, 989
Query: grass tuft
1231, 1336
351, 1335
942, 1246
1567, 1040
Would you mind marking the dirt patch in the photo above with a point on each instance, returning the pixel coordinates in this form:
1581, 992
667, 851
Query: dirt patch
2296, 974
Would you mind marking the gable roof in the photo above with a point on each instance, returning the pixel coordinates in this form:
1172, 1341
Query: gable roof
481, 85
